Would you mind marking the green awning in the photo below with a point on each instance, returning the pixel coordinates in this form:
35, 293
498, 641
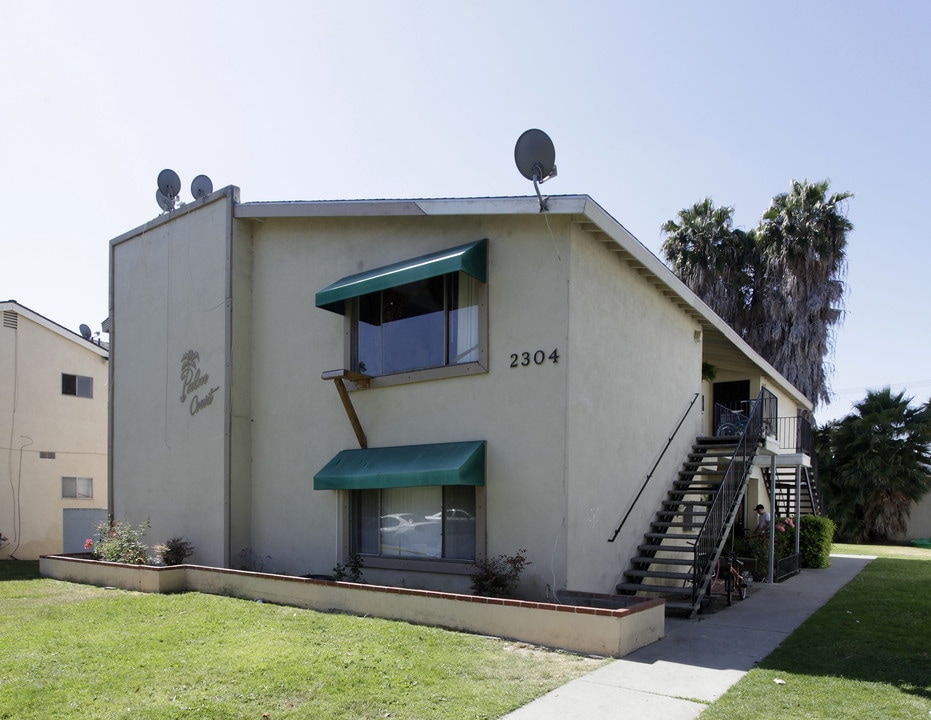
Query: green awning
460, 463
470, 259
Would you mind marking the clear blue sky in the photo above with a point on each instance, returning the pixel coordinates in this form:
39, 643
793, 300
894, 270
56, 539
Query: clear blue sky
651, 105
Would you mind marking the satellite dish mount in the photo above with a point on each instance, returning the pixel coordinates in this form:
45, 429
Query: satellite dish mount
535, 156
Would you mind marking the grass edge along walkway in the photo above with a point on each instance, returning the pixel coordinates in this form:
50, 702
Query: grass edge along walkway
77, 651
864, 654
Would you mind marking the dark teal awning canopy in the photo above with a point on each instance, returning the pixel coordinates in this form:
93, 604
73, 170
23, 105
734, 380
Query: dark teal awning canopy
470, 259
460, 463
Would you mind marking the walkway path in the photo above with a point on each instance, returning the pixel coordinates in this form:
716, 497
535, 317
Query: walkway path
699, 659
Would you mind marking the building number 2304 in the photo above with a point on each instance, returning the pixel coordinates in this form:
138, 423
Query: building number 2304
539, 357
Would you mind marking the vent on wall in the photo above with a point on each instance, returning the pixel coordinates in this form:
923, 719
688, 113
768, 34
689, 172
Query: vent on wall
10, 319
46, 455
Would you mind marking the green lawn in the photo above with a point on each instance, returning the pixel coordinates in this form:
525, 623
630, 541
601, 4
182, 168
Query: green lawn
75, 651
865, 654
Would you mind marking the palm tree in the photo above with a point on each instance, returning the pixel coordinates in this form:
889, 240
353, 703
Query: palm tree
799, 296
874, 464
710, 257
780, 286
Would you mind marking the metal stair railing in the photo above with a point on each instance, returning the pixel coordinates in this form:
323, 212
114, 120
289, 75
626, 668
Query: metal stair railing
655, 465
721, 514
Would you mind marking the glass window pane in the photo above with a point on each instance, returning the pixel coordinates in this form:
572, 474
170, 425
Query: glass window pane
413, 326
68, 487
368, 335
463, 319
459, 522
84, 487
85, 386
410, 522
69, 384
364, 526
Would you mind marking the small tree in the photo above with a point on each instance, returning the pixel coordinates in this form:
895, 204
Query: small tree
874, 464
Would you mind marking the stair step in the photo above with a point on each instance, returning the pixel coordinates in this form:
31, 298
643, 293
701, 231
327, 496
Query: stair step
675, 511
680, 606
646, 560
666, 575
658, 589
686, 503
671, 536
689, 549
673, 524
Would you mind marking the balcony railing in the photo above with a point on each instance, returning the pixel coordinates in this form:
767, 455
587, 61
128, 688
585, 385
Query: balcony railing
796, 434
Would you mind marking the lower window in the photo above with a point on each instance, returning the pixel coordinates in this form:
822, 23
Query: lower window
77, 487
436, 522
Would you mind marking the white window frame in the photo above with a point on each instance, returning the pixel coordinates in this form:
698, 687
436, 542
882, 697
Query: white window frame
77, 488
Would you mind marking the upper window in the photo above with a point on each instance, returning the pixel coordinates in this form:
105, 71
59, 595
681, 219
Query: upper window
415, 315
425, 324
78, 385
77, 487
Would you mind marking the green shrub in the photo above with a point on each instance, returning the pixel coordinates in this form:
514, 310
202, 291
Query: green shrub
119, 542
816, 533
497, 577
174, 551
351, 571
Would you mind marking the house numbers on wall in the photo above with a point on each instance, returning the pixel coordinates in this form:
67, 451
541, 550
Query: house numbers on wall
537, 357
192, 380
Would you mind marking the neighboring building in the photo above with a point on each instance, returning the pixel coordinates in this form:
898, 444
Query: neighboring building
53, 435
513, 376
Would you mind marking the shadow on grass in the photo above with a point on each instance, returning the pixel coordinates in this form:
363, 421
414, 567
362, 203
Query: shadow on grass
875, 630
19, 570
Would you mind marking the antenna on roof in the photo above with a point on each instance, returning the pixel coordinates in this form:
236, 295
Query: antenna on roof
85, 331
535, 156
169, 186
201, 187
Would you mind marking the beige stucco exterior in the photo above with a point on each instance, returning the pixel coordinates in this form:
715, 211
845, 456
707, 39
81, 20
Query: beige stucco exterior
568, 442
46, 435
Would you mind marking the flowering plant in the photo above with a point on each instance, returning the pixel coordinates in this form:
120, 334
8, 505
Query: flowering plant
784, 540
120, 542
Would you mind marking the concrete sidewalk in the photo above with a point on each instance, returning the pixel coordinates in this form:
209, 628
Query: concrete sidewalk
697, 659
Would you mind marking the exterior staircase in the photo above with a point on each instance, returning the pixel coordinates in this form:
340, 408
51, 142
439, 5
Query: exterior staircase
809, 500
680, 552
667, 563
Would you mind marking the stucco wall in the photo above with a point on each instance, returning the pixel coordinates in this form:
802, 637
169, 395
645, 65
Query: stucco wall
169, 298
36, 417
635, 367
300, 424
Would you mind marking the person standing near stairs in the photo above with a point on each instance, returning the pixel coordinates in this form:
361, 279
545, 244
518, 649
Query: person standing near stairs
764, 521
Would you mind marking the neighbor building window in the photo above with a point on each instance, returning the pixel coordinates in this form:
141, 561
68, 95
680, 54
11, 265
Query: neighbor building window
77, 487
428, 523
77, 385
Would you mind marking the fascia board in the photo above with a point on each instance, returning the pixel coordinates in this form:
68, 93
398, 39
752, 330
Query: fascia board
613, 229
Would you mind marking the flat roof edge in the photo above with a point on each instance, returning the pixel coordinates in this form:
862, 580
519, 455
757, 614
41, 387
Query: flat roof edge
558, 205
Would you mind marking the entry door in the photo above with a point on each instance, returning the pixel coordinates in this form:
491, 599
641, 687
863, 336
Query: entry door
731, 395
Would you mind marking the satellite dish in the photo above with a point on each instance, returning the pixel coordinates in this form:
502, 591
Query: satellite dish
169, 183
85, 331
535, 156
201, 187
163, 201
